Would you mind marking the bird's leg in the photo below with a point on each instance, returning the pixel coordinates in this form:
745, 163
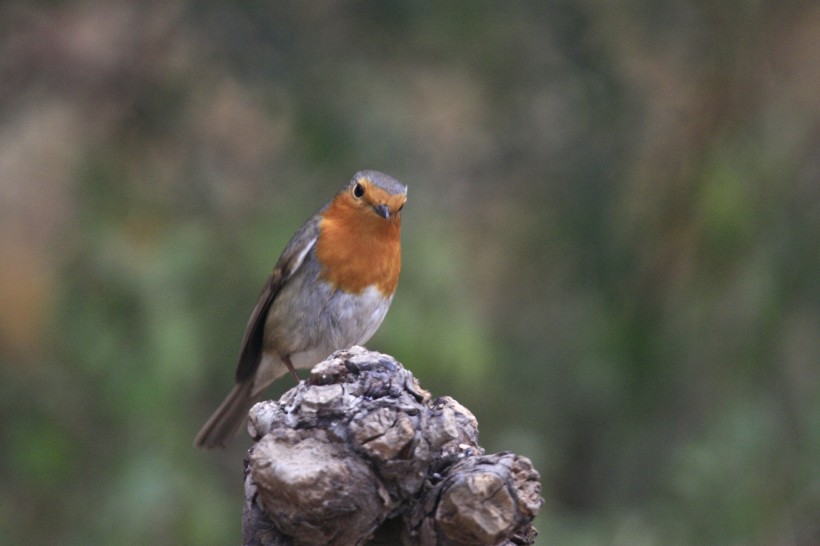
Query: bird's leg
291, 369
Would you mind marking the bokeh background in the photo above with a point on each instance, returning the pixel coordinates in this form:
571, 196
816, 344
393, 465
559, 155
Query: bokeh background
611, 249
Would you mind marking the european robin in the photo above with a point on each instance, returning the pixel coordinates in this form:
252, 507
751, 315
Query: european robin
329, 290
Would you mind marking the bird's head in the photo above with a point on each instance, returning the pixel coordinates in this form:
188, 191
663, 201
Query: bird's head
375, 195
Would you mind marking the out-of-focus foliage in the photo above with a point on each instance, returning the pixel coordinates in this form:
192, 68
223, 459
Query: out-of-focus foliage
612, 247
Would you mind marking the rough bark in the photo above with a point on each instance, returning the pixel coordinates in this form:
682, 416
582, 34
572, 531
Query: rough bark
360, 454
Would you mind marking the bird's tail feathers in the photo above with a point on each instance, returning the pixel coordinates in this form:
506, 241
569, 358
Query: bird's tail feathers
228, 417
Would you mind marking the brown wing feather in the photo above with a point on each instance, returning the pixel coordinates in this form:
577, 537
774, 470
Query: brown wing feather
289, 262
252, 342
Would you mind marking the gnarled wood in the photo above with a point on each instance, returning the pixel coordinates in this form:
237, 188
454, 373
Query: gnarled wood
360, 454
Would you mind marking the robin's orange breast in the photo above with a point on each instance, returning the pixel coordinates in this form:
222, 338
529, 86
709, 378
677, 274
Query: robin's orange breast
357, 248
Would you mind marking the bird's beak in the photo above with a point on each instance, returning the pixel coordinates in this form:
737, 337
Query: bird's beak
382, 211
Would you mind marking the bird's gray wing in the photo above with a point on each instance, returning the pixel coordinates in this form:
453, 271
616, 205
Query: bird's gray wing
289, 262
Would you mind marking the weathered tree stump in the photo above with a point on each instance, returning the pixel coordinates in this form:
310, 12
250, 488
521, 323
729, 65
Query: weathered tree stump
360, 454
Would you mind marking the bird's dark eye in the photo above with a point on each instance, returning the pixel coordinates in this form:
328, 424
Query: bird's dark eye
358, 191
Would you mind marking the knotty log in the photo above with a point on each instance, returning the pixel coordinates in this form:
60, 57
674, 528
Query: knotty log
360, 454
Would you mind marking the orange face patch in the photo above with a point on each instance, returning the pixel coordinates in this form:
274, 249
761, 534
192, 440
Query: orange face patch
374, 195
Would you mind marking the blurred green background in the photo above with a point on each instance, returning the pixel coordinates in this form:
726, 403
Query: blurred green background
611, 248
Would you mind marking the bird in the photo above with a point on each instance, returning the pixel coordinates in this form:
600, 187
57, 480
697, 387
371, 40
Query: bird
330, 289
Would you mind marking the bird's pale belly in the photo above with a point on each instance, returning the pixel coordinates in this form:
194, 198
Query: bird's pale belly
308, 331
